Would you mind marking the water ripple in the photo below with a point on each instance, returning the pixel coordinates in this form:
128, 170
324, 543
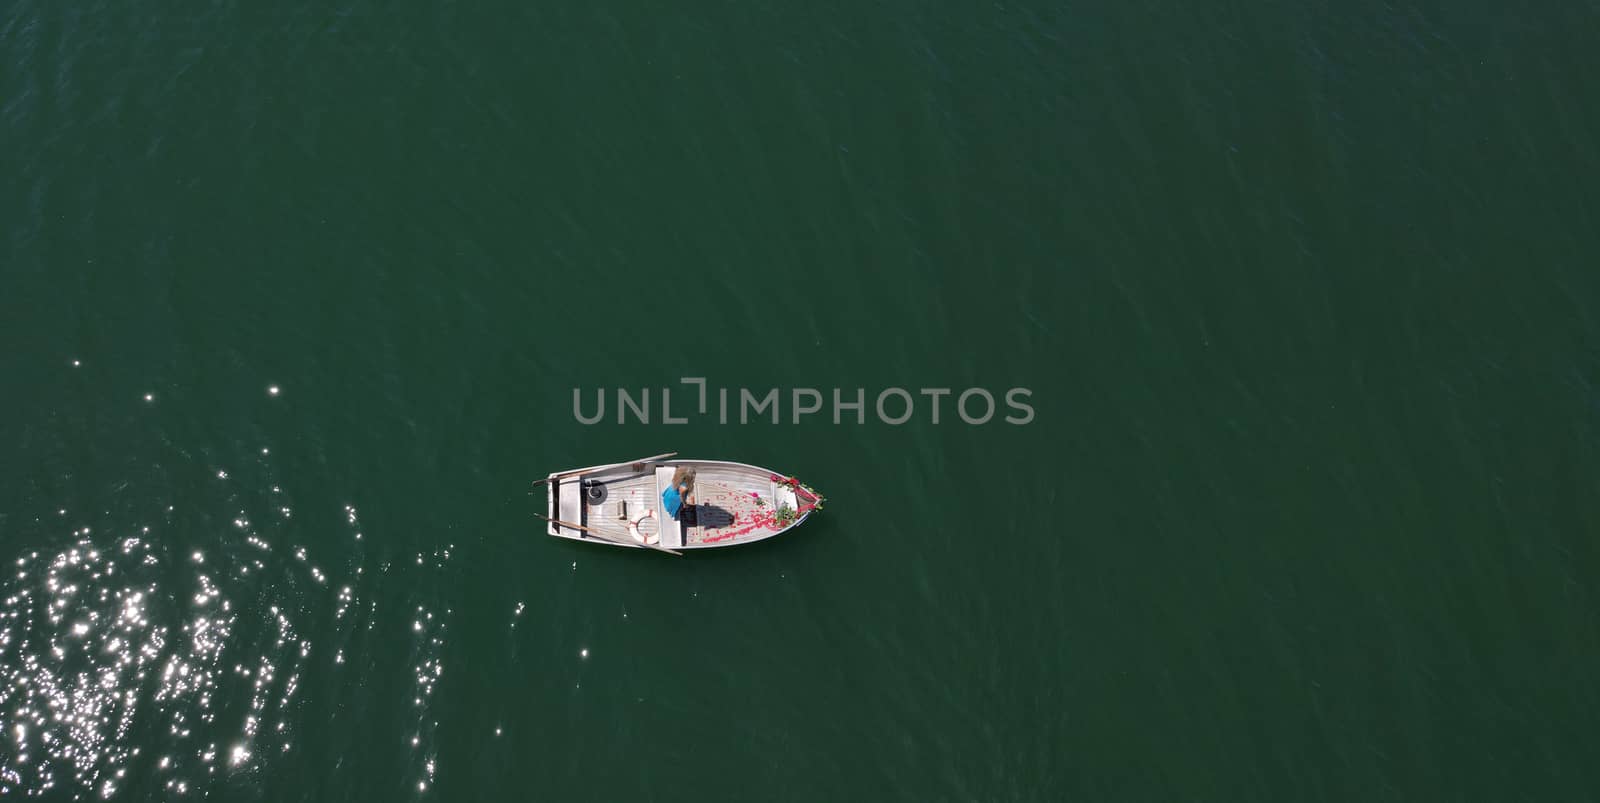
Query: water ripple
124, 661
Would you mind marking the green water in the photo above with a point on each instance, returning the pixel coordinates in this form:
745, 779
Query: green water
1306, 297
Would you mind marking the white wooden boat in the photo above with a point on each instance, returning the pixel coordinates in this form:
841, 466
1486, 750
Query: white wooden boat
620, 504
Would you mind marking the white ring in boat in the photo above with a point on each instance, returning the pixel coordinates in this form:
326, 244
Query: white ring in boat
633, 529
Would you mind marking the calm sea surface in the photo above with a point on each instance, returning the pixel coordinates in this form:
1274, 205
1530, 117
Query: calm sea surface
293, 299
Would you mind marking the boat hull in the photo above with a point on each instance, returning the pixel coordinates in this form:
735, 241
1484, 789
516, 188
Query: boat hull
620, 505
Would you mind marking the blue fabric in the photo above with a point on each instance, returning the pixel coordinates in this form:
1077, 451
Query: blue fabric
671, 500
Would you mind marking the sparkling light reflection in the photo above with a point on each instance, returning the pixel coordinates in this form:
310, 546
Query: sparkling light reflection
99, 651
185, 638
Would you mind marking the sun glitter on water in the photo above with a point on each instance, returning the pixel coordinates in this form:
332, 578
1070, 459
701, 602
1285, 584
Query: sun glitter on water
126, 662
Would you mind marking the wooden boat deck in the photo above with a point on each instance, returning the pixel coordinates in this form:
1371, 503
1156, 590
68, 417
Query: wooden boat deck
734, 503
730, 502
639, 491
727, 506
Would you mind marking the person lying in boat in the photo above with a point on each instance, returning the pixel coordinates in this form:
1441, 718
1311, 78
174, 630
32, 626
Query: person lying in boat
680, 492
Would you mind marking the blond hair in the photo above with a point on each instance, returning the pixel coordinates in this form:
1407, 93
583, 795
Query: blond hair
684, 475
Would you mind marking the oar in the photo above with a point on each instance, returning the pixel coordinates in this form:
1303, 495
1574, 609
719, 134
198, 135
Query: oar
603, 468
609, 479
604, 537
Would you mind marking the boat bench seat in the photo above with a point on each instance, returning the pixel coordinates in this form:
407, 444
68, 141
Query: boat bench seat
671, 528
569, 507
